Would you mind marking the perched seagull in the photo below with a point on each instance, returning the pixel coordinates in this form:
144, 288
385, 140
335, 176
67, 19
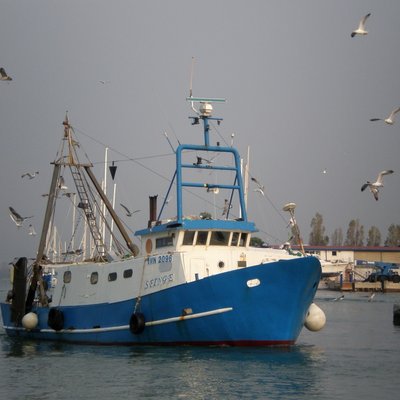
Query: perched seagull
30, 175
61, 183
128, 212
260, 188
374, 186
361, 27
32, 231
390, 119
4, 76
17, 218
292, 223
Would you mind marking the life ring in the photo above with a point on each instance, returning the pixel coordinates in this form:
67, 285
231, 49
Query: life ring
137, 323
55, 319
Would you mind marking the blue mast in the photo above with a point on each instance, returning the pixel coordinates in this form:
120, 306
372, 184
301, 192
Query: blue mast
204, 114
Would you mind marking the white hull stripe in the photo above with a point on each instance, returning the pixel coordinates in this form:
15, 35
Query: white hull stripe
124, 327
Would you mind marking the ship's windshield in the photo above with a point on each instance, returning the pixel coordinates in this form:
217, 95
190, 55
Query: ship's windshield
218, 238
202, 237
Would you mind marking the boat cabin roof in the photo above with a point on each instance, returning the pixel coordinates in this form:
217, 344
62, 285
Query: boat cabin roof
198, 224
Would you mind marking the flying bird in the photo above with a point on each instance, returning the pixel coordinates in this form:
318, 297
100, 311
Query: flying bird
260, 188
361, 27
371, 297
30, 175
374, 186
32, 231
4, 76
61, 183
17, 218
227, 207
128, 212
390, 119
200, 161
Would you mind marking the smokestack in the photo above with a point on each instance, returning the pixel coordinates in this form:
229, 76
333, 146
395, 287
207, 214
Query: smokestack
153, 210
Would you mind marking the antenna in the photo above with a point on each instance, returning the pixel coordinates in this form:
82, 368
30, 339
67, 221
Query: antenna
191, 79
205, 102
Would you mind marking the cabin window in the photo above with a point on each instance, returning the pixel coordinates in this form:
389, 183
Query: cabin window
219, 238
334, 253
94, 278
243, 239
164, 242
202, 238
112, 277
128, 273
235, 238
67, 277
188, 238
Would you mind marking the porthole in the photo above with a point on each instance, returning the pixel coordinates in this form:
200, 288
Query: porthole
149, 246
94, 278
112, 277
128, 273
67, 277
221, 264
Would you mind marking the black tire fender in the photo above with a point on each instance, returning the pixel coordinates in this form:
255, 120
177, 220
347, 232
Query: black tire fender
137, 323
55, 319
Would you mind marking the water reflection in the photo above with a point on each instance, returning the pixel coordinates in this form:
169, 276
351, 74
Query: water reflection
234, 372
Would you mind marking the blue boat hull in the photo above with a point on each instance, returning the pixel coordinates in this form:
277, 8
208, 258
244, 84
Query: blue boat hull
219, 310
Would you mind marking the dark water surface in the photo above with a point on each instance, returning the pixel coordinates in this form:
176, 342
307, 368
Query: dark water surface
356, 356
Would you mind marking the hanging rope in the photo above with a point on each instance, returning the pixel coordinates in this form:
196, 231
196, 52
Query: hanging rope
139, 298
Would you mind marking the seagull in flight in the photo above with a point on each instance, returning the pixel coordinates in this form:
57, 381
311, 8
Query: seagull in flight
17, 218
260, 188
200, 161
30, 175
390, 119
374, 186
61, 183
361, 27
4, 76
32, 231
129, 213
371, 297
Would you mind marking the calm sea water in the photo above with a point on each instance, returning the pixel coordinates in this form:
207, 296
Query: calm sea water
356, 356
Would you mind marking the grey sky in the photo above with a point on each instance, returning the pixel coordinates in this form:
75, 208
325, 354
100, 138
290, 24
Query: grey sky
300, 92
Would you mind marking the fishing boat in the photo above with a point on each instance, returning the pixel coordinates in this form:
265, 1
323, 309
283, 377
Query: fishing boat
193, 279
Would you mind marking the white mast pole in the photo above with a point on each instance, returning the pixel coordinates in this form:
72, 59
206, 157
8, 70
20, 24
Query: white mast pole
73, 221
103, 206
246, 178
112, 220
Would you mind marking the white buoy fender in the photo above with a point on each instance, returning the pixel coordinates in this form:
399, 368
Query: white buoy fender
315, 318
30, 321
